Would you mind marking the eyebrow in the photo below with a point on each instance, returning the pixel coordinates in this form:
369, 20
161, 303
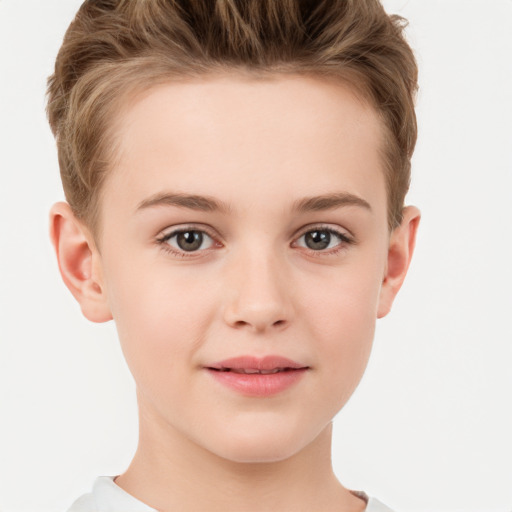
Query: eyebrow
190, 201
330, 202
209, 204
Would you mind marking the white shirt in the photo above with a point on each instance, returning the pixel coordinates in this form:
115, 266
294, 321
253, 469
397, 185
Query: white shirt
107, 496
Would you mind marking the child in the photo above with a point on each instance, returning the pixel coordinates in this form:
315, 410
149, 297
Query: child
235, 172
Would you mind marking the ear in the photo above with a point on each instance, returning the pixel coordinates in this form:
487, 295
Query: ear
401, 247
79, 262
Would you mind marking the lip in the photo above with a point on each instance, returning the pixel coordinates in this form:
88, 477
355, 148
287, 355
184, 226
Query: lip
257, 384
248, 362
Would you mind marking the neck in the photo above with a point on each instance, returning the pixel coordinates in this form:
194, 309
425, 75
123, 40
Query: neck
171, 472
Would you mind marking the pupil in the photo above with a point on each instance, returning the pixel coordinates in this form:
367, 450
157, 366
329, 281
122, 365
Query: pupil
318, 239
190, 240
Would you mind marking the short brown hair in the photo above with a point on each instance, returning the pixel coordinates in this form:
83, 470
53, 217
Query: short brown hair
114, 46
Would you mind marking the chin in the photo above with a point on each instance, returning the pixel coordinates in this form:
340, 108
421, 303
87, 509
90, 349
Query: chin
255, 452
259, 445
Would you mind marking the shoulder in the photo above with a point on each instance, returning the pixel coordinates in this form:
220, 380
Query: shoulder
372, 504
106, 496
84, 504
375, 505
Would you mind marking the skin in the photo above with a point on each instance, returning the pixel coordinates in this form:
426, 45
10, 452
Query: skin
253, 287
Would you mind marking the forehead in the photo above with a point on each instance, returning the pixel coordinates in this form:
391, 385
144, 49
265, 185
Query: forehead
224, 133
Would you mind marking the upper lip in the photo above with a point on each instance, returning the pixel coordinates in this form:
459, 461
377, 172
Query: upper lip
270, 362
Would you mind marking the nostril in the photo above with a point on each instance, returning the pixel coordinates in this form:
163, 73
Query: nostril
242, 323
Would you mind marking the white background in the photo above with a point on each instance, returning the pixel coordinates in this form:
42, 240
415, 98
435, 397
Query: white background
429, 428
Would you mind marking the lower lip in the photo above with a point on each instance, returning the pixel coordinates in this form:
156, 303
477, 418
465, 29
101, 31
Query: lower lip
257, 384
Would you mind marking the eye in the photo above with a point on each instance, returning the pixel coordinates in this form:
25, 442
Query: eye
186, 241
321, 239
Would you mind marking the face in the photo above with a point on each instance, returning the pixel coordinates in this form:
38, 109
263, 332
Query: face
245, 218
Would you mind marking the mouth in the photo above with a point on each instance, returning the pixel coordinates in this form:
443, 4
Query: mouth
258, 377
253, 371
257, 365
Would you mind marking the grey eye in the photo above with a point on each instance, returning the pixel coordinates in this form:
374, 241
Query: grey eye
321, 239
317, 240
190, 240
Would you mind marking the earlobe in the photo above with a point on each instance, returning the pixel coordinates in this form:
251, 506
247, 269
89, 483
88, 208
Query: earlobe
78, 262
401, 248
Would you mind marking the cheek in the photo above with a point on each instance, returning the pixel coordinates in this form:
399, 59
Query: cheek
341, 320
159, 317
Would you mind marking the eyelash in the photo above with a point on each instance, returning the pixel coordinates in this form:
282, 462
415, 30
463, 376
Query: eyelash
344, 240
164, 239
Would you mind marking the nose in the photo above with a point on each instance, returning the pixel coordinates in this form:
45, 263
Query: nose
259, 295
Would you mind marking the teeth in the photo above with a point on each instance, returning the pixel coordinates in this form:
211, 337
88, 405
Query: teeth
252, 371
